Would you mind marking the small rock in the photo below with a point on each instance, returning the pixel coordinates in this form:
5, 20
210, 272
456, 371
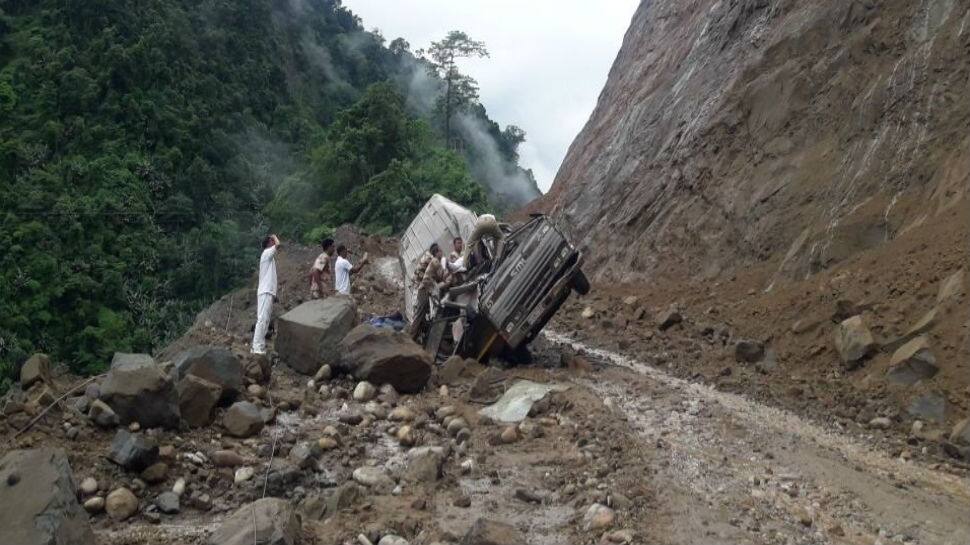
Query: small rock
133, 451
462, 501
272, 520
374, 478
587, 313
36, 369
243, 419
304, 455
747, 351
155, 473
912, 362
510, 435
243, 474
168, 503
620, 537
327, 443
121, 504
94, 505
227, 458
880, 423
961, 433
401, 414
89, 486
406, 436
391, 539
166, 452
102, 415
854, 341
325, 372
179, 486
598, 517
490, 532
669, 318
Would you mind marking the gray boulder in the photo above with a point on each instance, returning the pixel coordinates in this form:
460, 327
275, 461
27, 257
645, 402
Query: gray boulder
490, 532
102, 415
133, 451
669, 318
243, 419
272, 520
424, 464
168, 503
214, 364
310, 332
198, 398
39, 499
138, 391
36, 369
383, 356
929, 406
854, 341
912, 363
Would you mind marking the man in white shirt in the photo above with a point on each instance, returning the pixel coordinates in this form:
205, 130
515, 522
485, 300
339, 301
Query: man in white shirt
342, 269
265, 293
320, 271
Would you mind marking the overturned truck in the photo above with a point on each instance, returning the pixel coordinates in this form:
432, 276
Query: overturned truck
512, 281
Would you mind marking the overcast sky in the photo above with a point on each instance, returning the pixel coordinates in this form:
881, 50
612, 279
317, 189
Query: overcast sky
549, 59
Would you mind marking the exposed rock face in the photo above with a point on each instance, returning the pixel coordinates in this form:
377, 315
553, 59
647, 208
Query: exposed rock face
214, 364
39, 500
383, 356
311, 332
138, 391
800, 130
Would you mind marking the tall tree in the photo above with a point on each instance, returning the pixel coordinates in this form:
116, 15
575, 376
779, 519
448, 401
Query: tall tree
460, 89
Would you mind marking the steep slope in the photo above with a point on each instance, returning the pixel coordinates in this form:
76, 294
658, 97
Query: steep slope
795, 133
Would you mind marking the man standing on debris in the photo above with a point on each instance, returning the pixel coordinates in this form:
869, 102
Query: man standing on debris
455, 264
342, 269
320, 271
428, 275
266, 292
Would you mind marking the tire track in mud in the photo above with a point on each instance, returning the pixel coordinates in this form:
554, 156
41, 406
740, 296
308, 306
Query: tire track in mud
742, 472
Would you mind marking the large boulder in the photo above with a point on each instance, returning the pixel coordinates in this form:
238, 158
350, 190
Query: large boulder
39, 499
133, 451
198, 398
854, 341
272, 520
243, 419
138, 391
912, 363
214, 364
36, 369
310, 332
384, 356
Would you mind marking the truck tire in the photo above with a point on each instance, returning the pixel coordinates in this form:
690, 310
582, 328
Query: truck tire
580, 283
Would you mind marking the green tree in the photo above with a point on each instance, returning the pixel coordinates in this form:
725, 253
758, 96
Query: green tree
460, 90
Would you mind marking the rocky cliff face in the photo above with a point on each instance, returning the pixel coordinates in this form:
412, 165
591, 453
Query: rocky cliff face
791, 133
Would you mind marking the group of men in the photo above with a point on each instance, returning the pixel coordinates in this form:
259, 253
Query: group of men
433, 275
320, 274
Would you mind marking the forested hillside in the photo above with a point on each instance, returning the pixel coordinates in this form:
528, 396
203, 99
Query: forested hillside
145, 146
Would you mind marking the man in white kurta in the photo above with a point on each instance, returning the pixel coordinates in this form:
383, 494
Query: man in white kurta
265, 293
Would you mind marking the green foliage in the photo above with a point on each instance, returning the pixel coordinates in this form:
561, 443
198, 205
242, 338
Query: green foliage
146, 146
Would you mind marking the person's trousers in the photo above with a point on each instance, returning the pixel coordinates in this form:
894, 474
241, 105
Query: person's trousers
264, 312
421, 308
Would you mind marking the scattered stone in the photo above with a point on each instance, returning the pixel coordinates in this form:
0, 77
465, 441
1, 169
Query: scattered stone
510, 435
155, 473
134, 427
462, 501
214, 364
243, 419
89, 486
424, 464
961, 433
880, 423
598, 517
455, 425
451, 370
102, 415
853, 341
364, 391
305, 454
384, 356
94, 505
574, 362
255, 390
309, 332
406, 436
121, 504
401, 414
272, 520
243, 474
669, 318
92, 391
620, 537
527, 496
37, 369
912, 363
138, 391
929, 406
327, 443
490, 532
325, 372
845, 309
747, 351
166, 452
631, 300
374, 478
391, 539
227, 458
168, 503
587, 313
39, 500
198, 398
179, 486
133, 451
924, 324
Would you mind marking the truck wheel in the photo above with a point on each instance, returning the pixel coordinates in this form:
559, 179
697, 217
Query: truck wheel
581, 283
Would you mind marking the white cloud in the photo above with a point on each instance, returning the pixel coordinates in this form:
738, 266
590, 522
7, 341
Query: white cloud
549, 59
